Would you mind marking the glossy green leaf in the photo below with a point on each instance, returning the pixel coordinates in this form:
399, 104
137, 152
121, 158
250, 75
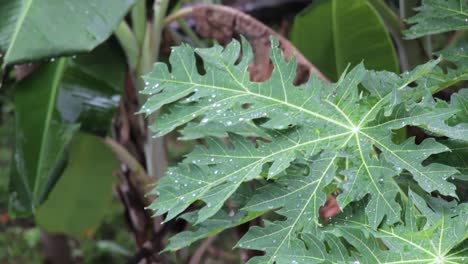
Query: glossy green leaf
438, 16
50, 105
340, 135
335, 33
41, 137
34, 29
82, 196
8, 15
91, 87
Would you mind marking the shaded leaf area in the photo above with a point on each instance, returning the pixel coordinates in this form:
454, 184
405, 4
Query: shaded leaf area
91, 88
338, 132
74, 206
349, 31
438, 16
56, 27
51, 104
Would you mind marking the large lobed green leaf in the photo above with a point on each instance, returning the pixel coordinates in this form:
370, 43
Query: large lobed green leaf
434, 232
438, 16
34, 29
337, 132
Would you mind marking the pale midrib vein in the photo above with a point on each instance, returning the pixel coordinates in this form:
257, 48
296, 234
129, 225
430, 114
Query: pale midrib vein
20, 22
409, 117
311, 257
230, 73
370, 175
383, 100
257, 95
441, 234
453, 255
281, 196
341, 112
410, 261
354, 181
392, 234
364, 244
201, 110
254, 164
460, 12
394, 154
281, 77
185, 68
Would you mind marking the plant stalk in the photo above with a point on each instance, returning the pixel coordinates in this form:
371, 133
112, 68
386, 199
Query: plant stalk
156, 157
129, 43
138, 15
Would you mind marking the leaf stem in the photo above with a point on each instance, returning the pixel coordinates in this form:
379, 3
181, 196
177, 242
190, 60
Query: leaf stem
129, 43
138, 15
186, 11
156, 156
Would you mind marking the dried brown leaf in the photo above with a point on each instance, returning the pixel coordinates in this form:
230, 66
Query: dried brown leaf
224, 23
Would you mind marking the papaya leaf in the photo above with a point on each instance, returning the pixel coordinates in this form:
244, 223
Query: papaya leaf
340, 133
438, 16
436, 241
